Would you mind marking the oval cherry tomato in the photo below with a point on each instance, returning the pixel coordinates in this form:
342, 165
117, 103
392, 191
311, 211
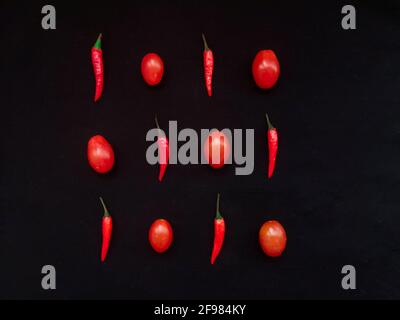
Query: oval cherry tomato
100, 154
152, 69
272, 238
160, 235
217, 149
266, 69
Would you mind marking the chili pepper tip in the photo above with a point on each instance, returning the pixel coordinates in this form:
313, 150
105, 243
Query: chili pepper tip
155, 118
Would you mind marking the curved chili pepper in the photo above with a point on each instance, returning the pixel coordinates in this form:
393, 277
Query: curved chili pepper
106, 230
272, 146
163, 151
98, 68
208, 60
219, 233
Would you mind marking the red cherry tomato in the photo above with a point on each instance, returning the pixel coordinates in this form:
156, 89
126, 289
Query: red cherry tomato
160, 235
217, 149
272, 238
152, 69
266, 69
100, 154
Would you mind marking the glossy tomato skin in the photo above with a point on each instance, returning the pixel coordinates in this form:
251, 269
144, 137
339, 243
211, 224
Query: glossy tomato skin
152, 69
160, 235
100, 154
217, 144
272, 238
266, 69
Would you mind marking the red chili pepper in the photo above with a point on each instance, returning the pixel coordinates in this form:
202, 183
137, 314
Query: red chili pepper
208, 60
106, 230
219, 233
98, 68
163, 151
272, 146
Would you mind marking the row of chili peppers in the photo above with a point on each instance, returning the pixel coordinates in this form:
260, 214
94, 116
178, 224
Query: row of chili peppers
265, 68
272, 235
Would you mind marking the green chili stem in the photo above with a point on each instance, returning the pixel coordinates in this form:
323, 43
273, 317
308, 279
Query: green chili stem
106, 213
97, 45
155, 118
206, 48
270, 126
218, 215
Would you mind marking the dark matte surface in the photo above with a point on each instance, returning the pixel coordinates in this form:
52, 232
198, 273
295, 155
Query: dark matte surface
337, 183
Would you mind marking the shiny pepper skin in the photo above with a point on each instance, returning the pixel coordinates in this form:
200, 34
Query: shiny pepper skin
163, 151
98, 68
106, 231
219, 233
208, 60
272, 136
163, 148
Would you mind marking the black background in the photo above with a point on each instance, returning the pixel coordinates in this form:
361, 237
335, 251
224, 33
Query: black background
336, 186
